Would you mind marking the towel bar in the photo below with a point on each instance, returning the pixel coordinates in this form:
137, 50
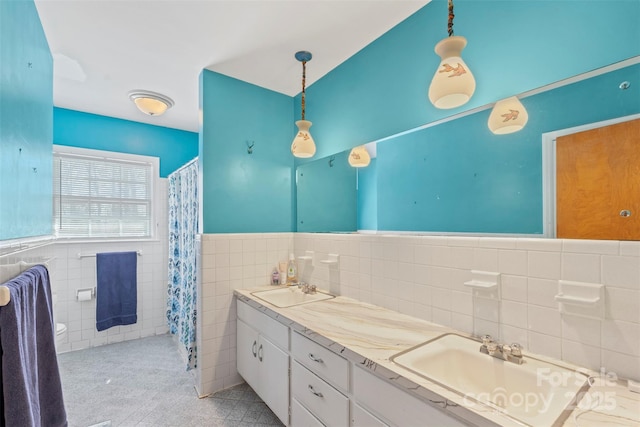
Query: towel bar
81, 255
5, 295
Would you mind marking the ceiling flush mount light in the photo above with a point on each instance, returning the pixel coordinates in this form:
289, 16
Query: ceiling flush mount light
151, 103
507, 116
359, 157
303, 145
452, 84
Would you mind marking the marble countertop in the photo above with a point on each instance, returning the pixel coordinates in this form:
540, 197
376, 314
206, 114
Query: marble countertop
369, 336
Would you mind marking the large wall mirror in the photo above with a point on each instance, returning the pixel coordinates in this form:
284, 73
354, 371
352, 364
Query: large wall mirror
326, 191
456, 176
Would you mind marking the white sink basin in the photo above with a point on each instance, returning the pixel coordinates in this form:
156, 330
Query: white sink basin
287, 297
535, 393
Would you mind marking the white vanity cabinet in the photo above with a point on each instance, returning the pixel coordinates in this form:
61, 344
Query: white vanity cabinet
317, 387
396, 406
320, 381
262, 358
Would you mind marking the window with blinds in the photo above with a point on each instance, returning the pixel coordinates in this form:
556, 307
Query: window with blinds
101, 197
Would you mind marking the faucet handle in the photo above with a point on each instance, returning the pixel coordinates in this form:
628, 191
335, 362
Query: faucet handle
489, 343
486, 339
516, 349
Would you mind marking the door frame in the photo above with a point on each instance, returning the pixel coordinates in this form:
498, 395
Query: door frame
549, 220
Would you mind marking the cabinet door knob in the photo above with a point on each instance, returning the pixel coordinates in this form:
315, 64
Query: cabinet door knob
253, 349
260, 353
315, 359
625, 213
315, 393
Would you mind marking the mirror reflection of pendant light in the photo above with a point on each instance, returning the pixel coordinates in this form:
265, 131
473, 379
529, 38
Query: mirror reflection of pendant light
303, 145
452, 84
359, 157
151, 103
507, 116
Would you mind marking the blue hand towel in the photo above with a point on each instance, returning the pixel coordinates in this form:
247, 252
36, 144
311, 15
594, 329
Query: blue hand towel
116, 294
31, 389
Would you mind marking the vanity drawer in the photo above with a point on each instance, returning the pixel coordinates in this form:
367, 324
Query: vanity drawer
323, 362
270, 328
383, 397
300, 417
322, 400
362, 418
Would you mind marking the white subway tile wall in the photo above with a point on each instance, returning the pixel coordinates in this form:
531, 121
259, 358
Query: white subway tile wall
229, 262
423, 276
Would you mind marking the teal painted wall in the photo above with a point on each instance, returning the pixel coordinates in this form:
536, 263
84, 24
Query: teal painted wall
368, 197
459, 177
327, 195
77, 129
241, 192
26, 122
513, 46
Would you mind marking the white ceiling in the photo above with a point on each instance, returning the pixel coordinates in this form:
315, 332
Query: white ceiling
105, 48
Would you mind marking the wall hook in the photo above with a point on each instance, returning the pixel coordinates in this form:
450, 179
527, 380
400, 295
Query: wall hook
331, 160
250, 145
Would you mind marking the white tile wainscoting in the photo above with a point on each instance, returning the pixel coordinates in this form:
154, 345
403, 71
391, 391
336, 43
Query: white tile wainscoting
229, 262
70, 273
423, 276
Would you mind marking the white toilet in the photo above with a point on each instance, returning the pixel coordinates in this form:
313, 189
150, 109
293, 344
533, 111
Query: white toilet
61, 328
61, 333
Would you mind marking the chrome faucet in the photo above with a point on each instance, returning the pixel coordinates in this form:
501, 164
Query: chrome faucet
510, 353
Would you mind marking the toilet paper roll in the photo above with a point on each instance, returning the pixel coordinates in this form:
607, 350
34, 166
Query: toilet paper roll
84, 295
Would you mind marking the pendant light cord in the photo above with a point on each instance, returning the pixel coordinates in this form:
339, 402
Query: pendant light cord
451, 16
304, 75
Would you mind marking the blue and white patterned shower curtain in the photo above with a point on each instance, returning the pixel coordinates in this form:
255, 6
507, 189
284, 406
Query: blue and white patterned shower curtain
183, 227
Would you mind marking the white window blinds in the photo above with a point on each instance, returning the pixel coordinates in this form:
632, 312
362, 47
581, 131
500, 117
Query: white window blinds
98, 197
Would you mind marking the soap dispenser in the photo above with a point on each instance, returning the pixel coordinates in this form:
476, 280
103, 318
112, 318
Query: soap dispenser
275, 276
292, 270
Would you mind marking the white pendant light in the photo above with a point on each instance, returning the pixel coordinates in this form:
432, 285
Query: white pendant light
151, 103
453, 83
303, 145
508, 116
359, 157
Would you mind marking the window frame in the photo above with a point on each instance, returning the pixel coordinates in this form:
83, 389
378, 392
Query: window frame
105, 155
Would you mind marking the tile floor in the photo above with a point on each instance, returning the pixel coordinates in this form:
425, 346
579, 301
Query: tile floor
144, 383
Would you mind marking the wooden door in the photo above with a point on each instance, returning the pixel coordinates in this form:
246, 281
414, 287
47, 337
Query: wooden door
597, 178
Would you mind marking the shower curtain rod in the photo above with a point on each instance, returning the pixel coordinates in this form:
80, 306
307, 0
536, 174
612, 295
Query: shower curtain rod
195, 159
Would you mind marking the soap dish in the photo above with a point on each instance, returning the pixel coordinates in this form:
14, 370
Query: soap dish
308, 256
485, 284
581, 299
332, 260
